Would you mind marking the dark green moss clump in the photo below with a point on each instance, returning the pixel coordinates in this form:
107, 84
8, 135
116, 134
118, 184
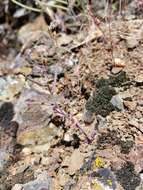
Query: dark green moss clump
6, 114
127, 176
114, 81
99, 103
118, 80
126, 146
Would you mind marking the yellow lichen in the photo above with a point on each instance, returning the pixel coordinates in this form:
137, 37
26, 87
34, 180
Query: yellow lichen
97, 186
99, 163
109, 182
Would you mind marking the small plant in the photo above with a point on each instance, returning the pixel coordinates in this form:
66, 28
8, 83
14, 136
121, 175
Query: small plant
73, 122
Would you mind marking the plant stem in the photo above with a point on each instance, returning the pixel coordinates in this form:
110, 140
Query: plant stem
26, 7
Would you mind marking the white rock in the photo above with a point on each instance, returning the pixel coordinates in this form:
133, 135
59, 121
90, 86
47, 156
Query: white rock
26, 151
67, 138
45, 161
117, 102
17, 187
119, 62
116, 70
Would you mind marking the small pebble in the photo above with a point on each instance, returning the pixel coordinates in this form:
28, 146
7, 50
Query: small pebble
17, 187
26, 151
132, 42
119, 63
139, 79
88, 117
133, 122
117, 102
67, 138
45, 161
130, 105
116, 70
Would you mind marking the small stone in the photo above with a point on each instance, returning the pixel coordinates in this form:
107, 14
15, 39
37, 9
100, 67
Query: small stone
4, 158
64, 39
63, 177
116, 70
119, 63
133, 122
45, 161
76, 161
117, 102
72, 61
130, 105
22, 168
101, 122
141, 120
132, 42
26, 151
40, 148
66, 161
43, 175
67, 138
56, 69
10, 86
88, 117
38, 173
17, 187
44, 183
36, 160
139, 79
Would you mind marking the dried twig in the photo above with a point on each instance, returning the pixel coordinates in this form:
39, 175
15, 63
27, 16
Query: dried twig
26, 6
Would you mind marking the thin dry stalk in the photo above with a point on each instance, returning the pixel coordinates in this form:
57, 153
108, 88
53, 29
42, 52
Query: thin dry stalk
110, 32
108, 8
95, 20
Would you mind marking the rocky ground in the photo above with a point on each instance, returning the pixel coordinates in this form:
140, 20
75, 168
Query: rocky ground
71, 107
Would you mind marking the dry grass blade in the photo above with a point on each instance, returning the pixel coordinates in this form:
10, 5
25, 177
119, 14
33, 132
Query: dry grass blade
62, 1
51, 4
59, 4
26, 7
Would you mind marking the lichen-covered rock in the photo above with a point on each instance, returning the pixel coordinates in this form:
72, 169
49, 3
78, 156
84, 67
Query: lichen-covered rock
41, 183
11, 86
39, 136
4, 158
33, 113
